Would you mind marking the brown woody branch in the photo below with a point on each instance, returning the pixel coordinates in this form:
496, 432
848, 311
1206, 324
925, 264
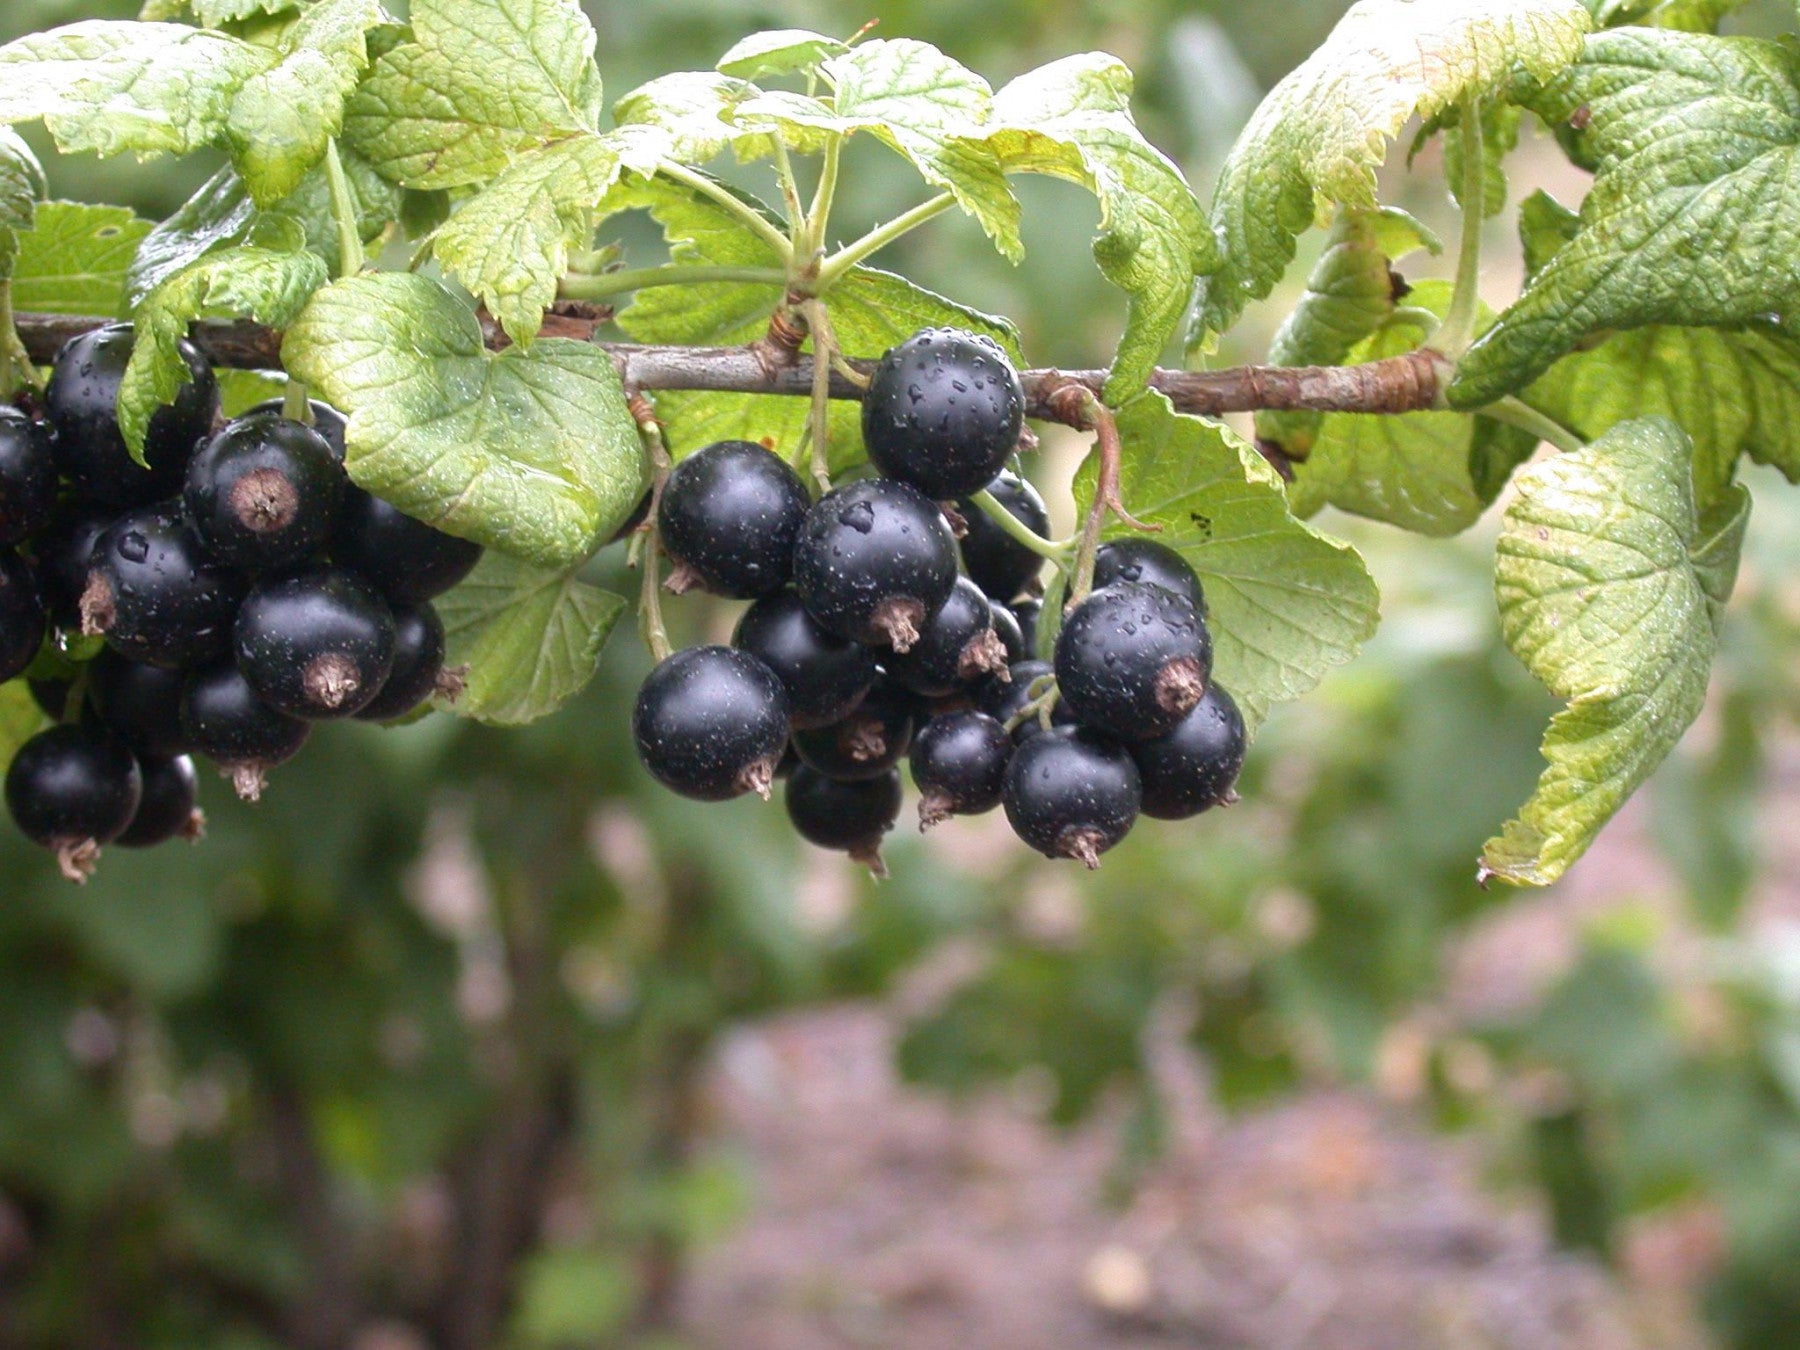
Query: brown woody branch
1398, 384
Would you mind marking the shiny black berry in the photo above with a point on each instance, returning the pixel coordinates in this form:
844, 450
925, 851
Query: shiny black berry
140, 704
418, 671
1133, 660
874, 562
1194, 767
943, 411
82, 401
711, 723
64, 553
825, 676
997, 562
1148, 561
317, 644
959, 762
1012, 637
1028, 612
867, 743
326, 420
845, 817
405, 559
27, 477
155, 595
1072, 793
730, 515
264, 492
170, 808
22, 621
1003, 700
72, 789
957, 645
223, 719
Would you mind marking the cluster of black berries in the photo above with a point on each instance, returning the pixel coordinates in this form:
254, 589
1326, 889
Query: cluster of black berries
864, 642
243, 586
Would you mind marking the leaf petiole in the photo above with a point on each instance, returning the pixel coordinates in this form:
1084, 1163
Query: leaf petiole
1517, 413
343, 211
1458, 330
1019, 531
718, 192
820, 214
604, 285
880, 237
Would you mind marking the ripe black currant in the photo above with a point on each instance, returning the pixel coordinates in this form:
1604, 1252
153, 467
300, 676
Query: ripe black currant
140, 704
867, 743
874, 562
264, 492
153, 592
711, 723
845, 817
317, 644
81, 402
943, 411
1133, 660
405, 559
64, 552
1012, 637
326, 420
222, 718
27, 477
1148, 561
1004, 700
418, 671
22, 622
997, 562
959, 762
72, 789
170, 807
730, 515
1072, 793
957, 645
825, 676
1194, 766
1028, 612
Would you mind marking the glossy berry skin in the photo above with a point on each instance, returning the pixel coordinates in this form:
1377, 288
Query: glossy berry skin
957, 645
264, 492
1132, 660
139, 704
1148, 561
223, 719
22, 621
711, 723
27, 477
868, 742
997, 562
1194, 767
73, 789
418, 670
1072, 793
730, 514
63, 555
943, 412
874, 562
170, 807
155, 595
1028, 612
825, 676
1004, 700
81, 402
326, 420
959, 762
845, 817
318, 644
405, 559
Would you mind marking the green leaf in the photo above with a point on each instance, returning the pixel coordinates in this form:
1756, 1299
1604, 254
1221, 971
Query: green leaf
1611, 585
21, 189
1693, 16
270, 287
782, 51
1072, 120
1697, 139
215, 13
681, 117
1284, 602
532, 452
481, 82
1499, 138
1320, 135
73, 259
530, 638
20, 720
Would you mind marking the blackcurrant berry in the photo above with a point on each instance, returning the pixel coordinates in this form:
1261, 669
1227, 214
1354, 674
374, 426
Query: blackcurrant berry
72, 789
711, 723
82, 401
264, 492
1012, 637
1028, 612
1072, 793
22, 622
1148, 561
845, 817
317, 644
1194, 766
405, 559
874, 562
52, 697
170, 808
1133, 660
997, 562
868, 742
943, 411
957, 645
64, 553
418, 671
825, 676
959, 763
730, 515
155, 595
326, 420
27, 477
222, 718
1004, 700
139, 704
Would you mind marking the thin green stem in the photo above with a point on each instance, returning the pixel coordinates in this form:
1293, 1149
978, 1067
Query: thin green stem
650, 616
1516, 413
820, 215
1018, 530
708, 187
604, 285
880, 237
343, 211
16, 370
1458, 331
790, 186
296, 402
824, 340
